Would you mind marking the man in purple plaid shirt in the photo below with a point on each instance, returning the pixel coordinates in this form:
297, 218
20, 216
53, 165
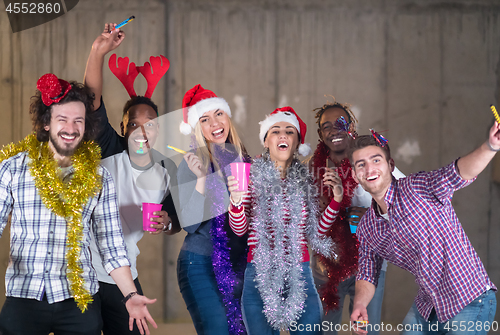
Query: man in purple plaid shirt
413, 225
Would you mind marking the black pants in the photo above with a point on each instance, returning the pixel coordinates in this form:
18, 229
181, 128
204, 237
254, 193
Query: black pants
114, 313
21, 316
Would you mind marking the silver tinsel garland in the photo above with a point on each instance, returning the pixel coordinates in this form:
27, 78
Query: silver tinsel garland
278, 254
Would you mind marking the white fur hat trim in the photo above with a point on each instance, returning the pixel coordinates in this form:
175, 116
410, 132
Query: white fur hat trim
206, 105
270, 120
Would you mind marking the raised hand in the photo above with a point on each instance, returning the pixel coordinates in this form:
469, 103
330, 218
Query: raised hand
494, 137
109, 39
332, 179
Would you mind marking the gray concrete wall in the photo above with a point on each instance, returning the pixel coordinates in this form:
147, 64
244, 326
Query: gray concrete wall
425, 71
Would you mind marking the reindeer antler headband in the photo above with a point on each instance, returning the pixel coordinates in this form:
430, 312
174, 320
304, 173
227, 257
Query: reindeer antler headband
153, 71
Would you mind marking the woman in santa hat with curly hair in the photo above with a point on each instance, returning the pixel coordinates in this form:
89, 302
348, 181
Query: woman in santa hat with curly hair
212, 259
280, 212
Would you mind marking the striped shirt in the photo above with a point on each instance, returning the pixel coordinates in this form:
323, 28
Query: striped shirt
423, 236
240, 222
38, 237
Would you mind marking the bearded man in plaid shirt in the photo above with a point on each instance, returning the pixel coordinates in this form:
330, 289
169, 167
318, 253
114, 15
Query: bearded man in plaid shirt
57, 194
413, 225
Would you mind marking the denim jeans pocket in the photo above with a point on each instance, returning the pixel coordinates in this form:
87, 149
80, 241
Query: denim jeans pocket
485, 298
191, 258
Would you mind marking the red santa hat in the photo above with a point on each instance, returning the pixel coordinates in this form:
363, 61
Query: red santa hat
285, 114
196, 102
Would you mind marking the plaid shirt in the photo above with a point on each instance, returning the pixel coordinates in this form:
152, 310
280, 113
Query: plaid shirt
423, 236
38, 237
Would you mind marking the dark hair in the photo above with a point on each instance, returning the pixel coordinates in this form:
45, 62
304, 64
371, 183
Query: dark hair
364, 141
345, 107
139, 100
41, 114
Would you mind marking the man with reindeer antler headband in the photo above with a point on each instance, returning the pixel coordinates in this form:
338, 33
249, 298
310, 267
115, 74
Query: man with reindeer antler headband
141, 174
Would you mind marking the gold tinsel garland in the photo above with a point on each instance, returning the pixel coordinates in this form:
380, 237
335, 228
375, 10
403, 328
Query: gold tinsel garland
64, 199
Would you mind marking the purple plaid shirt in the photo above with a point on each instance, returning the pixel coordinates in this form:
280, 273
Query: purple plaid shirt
423, 236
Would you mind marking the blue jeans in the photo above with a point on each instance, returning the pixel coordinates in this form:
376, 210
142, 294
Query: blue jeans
471, 320
253, 307
199, 289
347, 287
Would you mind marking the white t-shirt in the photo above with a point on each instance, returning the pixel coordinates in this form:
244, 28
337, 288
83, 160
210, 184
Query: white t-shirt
133, 187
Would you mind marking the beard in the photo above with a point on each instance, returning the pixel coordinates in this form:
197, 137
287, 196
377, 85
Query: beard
64, 150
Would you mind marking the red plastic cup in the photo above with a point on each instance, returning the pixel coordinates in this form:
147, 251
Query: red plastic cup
241, 171
147, 212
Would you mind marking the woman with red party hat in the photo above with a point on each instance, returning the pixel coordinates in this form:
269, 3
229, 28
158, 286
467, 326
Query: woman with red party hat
280, 211
212, 258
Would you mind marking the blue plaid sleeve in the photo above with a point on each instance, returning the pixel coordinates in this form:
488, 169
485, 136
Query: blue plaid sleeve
6, 199
107, 227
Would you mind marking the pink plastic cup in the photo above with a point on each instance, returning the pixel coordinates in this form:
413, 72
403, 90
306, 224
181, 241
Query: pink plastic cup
241, 171
147, 212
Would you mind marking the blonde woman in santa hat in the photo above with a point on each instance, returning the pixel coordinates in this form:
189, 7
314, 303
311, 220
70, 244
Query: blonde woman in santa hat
280, 212
212, 259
